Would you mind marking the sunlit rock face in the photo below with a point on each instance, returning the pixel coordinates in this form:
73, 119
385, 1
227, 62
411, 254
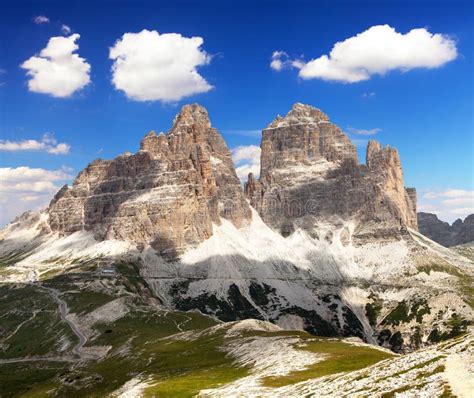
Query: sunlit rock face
178, 184
168, 194
310, 174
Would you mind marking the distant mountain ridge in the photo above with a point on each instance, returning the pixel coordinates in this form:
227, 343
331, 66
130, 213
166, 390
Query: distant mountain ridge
459, 233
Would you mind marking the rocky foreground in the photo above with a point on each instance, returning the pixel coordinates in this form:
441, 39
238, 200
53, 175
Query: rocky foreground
86, 333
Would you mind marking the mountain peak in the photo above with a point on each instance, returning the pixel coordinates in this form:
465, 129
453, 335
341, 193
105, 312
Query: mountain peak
167, 196
299, 107
306, 159
300, 114
376, 154
192, 114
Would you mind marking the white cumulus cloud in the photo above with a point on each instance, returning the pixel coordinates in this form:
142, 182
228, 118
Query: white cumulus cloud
47, 144
247, 160
149, 66
57, 70
376, 51
24, 188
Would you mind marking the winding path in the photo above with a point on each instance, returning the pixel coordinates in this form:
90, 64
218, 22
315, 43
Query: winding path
20, 325
36, 359
64, 311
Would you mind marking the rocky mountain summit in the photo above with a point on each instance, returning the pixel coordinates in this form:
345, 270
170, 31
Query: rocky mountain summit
319, 242
459, 233
310, 174
178, 184
167, 195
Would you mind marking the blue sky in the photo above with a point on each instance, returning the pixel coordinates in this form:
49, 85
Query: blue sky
426, 112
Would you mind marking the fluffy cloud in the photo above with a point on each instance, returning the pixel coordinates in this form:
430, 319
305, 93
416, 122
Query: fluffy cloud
355, 131
24, 188
26, 179
377, 51
47, 144
149, 66
41, 19
247, 160
57, 70
448, 204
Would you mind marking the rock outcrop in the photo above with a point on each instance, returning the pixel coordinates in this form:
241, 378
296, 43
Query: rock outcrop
167, 195
459, 233
310, 174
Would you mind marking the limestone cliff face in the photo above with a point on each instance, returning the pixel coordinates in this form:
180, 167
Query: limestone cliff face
310, 174
385, 171
167, 195
178, 184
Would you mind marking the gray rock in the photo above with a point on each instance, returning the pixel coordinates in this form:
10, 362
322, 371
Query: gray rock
178, 184
459, 233
310, 173
167, 195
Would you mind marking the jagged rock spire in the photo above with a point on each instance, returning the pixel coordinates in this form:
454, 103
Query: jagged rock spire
300, 113
192, 115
